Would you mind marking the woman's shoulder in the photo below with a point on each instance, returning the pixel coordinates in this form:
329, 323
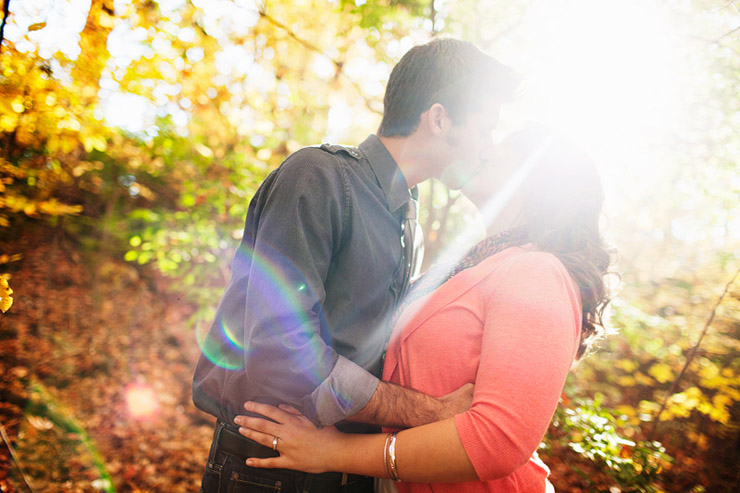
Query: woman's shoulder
526, 265
526, 258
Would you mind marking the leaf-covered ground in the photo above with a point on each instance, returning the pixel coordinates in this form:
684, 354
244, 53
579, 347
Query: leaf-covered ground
88, 345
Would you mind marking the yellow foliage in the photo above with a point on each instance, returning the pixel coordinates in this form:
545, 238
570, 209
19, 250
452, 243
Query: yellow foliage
699, 439
677, 411
709, 371
6, 300
5, 303
91, 142
626, 410
720, 411
661, 372
705, 407
626, 381
44, 119
626, 364
8, 122
17, 105
720, 415
12, 171
648, 407
643, 379
37, 26
693, 392
55, 208
733, 394
682, 403
6, 259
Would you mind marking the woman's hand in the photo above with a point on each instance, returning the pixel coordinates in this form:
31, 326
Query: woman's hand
301, 445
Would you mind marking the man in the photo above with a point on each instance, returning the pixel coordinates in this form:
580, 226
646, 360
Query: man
325, 258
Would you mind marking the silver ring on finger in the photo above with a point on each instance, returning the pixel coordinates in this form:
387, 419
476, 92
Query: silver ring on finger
274, 443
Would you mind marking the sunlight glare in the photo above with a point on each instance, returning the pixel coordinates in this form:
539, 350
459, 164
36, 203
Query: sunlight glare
607, 74
338, 120
142, 401
64, 20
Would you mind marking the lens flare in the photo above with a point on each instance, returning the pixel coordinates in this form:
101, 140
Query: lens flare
276, 289
222, 346
142, 401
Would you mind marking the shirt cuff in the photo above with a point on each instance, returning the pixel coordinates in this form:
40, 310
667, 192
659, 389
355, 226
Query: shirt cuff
345, 392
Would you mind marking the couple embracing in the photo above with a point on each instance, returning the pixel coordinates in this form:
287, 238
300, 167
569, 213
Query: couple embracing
331, 362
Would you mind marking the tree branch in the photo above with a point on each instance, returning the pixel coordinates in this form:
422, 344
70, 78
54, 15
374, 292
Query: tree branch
6, 12
691, 354
731, 3
6, 440
433, 17
727, 34
312, 47
291, 33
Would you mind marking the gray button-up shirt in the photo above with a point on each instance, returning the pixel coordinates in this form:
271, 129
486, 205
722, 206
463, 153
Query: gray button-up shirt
314, 280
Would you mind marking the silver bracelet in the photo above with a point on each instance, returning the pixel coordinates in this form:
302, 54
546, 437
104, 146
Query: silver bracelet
392, 456
385, 454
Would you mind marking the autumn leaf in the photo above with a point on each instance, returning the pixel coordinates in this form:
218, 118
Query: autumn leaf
37, 26
625, 452
661, 372
6, 301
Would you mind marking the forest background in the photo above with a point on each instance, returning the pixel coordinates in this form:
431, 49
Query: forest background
134, 132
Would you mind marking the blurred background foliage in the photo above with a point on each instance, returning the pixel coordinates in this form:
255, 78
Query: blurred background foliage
140, 129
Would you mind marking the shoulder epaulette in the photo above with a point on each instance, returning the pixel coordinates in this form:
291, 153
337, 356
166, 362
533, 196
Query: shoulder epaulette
336, 148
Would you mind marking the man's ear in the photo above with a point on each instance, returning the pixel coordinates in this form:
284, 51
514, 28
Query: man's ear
438, 120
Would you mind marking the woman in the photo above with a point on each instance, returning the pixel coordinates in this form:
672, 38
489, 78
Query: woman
511, 317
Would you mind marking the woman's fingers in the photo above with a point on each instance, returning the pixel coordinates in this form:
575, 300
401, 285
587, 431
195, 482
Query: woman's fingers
290, 409
266, 440
267, 411
271, 463
259, 437
259, 425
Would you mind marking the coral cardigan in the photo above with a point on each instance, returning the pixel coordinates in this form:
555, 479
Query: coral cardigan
511, 325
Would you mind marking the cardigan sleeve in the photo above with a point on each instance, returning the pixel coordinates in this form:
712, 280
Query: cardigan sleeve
532, 321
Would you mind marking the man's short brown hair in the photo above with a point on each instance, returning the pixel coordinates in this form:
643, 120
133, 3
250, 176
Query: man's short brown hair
454, 73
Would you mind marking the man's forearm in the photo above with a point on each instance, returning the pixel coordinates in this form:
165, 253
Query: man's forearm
396, 406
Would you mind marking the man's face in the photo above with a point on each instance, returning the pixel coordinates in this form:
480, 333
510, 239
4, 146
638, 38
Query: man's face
494, 173
469, 145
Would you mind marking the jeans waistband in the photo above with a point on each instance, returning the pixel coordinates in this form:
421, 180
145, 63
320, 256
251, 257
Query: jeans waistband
231, 442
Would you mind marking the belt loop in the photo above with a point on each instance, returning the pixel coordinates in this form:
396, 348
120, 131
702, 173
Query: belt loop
217, 433
344, 479
214, 444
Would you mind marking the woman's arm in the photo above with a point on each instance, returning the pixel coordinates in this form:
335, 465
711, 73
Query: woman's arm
532, 320
429, 453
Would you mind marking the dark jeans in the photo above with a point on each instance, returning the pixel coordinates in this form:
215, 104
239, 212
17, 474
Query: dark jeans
227, 473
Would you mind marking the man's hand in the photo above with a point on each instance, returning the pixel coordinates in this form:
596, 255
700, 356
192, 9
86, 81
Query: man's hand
395, 406
456, 402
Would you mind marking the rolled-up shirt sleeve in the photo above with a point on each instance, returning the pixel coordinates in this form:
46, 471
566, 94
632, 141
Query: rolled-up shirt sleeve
300, 222
346, 390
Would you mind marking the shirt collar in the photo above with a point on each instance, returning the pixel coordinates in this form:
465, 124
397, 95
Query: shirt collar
387, 172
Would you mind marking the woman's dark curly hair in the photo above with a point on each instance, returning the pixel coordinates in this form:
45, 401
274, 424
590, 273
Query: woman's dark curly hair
561, 211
